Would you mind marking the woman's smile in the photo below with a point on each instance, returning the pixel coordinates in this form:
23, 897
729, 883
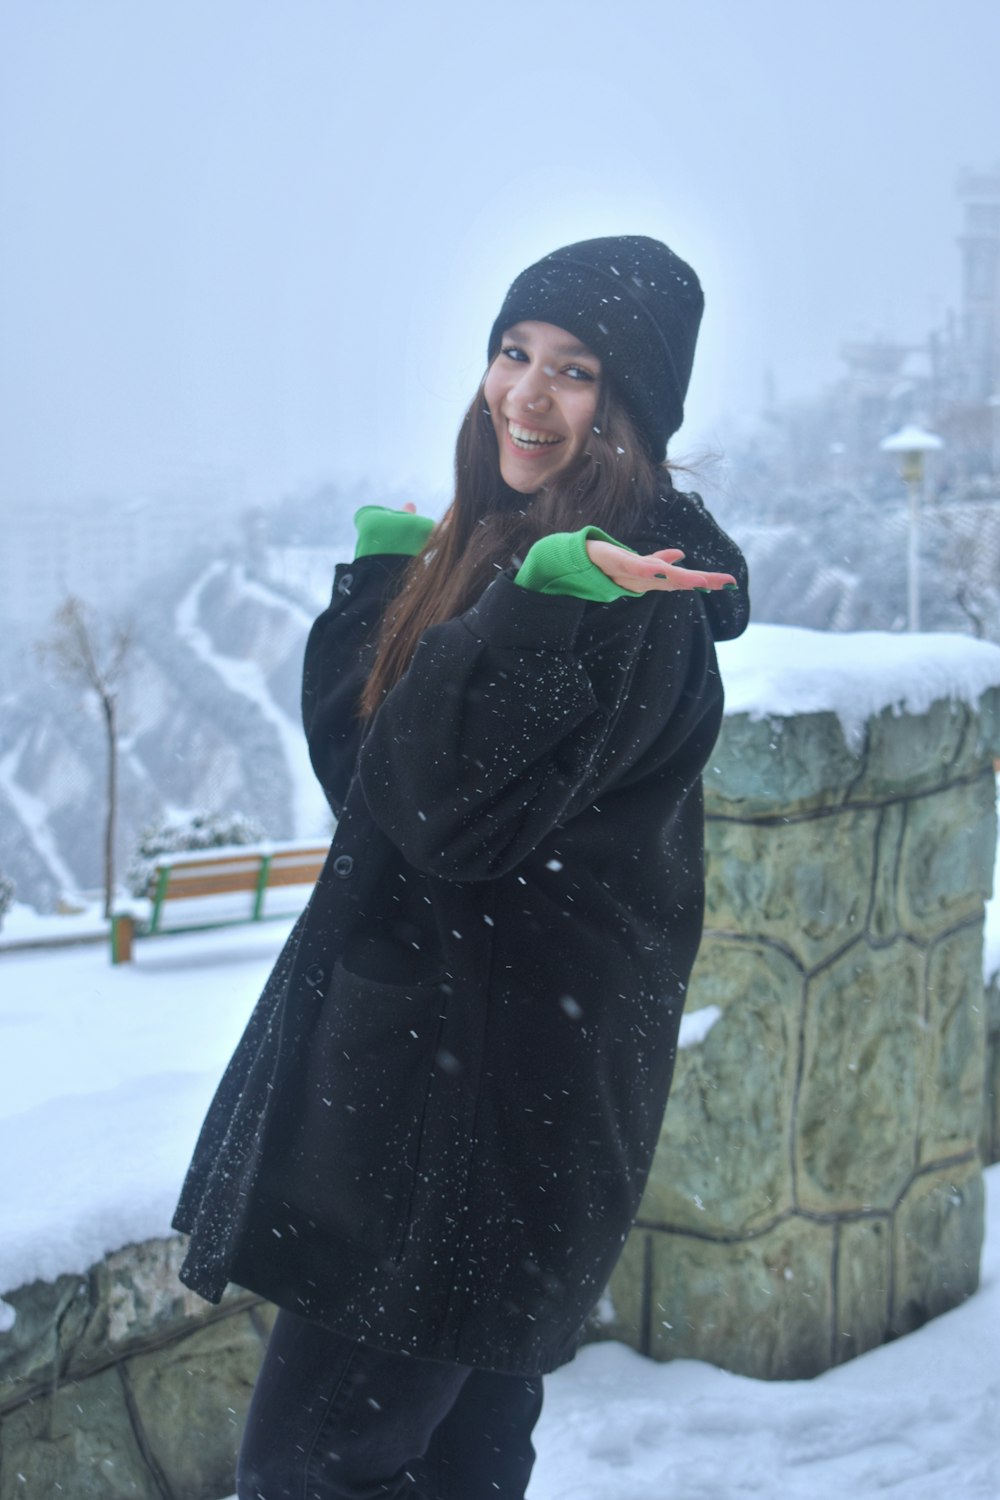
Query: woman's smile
528, 440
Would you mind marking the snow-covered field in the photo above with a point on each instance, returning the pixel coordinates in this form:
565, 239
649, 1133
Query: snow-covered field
106, 1072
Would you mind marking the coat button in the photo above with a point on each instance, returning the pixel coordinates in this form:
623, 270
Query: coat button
344, 583
314, 976
343, 865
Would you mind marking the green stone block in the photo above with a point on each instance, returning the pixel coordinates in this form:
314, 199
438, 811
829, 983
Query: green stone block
906, 752
987, 726
937, 1242
49, 1317
192, 1398
722, 1164
77, 1324
778, 765
952, 1084
946, 857
620, 1313
77, 1443
858, 1108
804, 884
263, 1317
863, 1283
137, 1299
989, 1143
992, 997
761, 1307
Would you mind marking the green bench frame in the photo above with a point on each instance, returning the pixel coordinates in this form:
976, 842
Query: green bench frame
253, 870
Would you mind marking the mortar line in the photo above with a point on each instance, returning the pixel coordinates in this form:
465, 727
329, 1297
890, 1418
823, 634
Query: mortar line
811, 1215
861, 804
876, 866
727, 935
646, 1338
835, 1296
796, 1089
139, 1433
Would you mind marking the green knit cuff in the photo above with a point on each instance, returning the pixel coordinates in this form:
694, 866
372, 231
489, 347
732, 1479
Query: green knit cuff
558, 564
381, 530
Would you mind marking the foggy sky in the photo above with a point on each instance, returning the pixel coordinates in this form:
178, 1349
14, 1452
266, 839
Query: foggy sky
247, 246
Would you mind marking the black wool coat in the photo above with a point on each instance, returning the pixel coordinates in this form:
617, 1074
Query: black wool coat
437, 1127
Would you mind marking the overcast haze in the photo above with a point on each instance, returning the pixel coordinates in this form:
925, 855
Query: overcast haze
248, 247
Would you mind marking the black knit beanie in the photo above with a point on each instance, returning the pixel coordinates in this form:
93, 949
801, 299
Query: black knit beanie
632, 301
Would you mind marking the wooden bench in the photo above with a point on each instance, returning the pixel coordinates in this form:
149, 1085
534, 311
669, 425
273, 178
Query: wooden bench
249, 871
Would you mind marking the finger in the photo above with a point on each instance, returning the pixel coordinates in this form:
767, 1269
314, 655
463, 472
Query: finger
706, 583
669, 555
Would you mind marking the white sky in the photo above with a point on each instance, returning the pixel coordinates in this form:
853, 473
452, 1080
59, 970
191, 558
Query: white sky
250, 246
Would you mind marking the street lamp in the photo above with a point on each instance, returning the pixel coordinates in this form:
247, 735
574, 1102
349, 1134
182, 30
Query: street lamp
910, 444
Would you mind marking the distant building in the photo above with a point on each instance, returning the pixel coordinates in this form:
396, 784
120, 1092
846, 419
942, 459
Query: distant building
950, 382
98, 550
980, 246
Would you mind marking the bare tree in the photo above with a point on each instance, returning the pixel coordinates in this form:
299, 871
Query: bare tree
967, 538
96, 656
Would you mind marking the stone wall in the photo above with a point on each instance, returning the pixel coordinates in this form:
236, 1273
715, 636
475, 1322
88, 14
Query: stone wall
817, 1188
990, 1144
122, 1384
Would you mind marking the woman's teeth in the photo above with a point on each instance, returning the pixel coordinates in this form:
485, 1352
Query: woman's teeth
523, 437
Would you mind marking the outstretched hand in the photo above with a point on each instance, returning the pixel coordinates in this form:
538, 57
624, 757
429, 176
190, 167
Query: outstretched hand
656, 570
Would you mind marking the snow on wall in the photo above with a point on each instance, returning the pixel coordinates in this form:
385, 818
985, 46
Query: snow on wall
696, 1024
783, 670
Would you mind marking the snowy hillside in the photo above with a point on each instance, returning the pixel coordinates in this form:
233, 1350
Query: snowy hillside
210, 720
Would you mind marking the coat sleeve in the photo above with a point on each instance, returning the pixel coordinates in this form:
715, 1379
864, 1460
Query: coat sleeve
511, 718
336, 667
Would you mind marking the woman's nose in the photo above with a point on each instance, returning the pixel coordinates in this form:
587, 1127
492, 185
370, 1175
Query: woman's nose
532, 391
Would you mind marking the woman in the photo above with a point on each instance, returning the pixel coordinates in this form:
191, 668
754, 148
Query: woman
432, 1140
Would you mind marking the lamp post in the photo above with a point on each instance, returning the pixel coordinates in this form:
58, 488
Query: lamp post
910, 444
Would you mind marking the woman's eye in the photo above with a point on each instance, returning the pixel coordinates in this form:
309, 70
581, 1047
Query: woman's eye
577, 372
513, 352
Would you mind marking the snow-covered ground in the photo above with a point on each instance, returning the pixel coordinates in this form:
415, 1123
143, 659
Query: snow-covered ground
23, 924
106, 1072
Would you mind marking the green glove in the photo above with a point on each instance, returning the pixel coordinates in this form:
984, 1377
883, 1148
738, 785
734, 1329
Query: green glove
558, 564
381, 530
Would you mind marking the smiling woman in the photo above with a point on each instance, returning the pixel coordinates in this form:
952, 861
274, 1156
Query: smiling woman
431, 1142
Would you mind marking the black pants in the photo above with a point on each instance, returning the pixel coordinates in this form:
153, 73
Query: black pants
332, 1419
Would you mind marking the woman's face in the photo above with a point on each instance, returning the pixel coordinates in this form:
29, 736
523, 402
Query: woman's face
542, 392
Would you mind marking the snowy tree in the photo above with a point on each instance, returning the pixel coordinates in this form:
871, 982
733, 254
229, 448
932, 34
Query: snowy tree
94, 654
200, 830
6, 895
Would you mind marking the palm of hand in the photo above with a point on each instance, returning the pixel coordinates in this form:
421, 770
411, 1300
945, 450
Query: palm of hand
656, 570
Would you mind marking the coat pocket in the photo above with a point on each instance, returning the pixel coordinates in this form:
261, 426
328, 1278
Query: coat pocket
351, 1116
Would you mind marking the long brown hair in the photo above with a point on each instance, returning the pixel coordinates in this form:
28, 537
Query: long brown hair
489, 526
